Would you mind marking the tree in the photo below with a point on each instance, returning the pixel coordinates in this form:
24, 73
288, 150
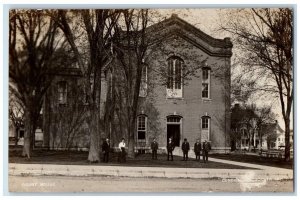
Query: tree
69, 120
88, 33
269, 133
264, 38
16, 114
264, 118
33, 52
236, 122
250, 118
131, 42
249, 123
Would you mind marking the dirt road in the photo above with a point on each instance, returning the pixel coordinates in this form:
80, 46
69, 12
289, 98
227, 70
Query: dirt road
119, 184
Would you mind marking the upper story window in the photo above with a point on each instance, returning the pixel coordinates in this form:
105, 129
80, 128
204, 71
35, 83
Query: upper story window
143, 85
141, 127
62, 92
174, 81
206, 83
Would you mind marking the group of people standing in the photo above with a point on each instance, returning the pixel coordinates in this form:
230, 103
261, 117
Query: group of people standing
106, 150
185, 147
205, 148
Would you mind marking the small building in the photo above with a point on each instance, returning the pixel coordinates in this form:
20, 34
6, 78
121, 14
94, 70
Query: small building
268, 136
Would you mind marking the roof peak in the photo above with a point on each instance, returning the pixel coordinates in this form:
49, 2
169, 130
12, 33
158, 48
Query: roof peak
174, 15
175, 19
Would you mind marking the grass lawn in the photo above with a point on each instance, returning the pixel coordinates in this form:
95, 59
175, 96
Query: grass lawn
80, 158
254, 159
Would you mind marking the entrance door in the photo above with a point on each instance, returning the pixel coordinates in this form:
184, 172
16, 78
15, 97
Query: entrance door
173, 131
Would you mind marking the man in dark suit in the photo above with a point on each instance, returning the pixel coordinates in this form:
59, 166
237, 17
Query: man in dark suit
154, 147
185, 149
170, 148
105, 150
197, 149
206, 149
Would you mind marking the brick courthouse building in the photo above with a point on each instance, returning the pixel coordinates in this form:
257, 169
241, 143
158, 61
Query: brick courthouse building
194, 107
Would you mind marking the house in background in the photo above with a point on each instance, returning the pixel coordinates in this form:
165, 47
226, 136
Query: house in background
273, 138
244, 142
280, 140
16, 135
269, 136
197, 108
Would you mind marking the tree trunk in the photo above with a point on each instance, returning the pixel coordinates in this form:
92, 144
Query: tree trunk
250, 142
27, 148
287, 139
46, 122
93, 156
16, 136
131, 141
260, 141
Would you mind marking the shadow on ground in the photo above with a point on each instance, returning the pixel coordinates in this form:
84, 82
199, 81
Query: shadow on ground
256, 159
141, 160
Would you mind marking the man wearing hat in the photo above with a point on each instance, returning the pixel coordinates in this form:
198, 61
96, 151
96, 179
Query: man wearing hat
185, 149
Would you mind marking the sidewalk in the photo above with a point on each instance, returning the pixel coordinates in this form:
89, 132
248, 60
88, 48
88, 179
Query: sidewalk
261, 172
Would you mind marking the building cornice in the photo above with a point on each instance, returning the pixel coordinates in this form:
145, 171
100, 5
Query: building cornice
176, 26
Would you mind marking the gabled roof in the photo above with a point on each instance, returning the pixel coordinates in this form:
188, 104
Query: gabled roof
274, 126
177, 26
279, 129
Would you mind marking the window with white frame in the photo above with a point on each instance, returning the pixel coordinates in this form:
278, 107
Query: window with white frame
143, 85
205, 123
62, 92
174, 81
141, 127
205, 127
206, 83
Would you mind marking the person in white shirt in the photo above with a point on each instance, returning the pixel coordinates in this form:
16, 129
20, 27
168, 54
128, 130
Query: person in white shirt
122, 146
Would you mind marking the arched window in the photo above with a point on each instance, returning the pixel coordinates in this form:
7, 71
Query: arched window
174, 80
206, 83
141, 127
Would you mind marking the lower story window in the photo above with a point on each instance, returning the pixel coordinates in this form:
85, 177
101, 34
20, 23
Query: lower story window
205, 125
205, 122
141, 135
141, 127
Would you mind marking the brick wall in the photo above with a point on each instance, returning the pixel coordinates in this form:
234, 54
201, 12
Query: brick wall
191, 107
